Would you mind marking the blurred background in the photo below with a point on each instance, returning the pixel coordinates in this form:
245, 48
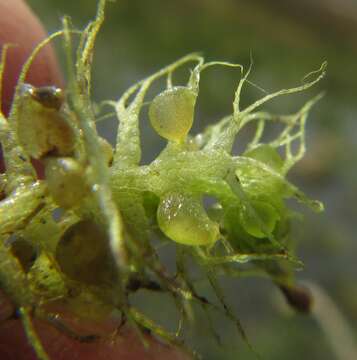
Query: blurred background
288, 39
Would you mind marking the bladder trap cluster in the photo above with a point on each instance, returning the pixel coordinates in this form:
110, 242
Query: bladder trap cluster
114, 210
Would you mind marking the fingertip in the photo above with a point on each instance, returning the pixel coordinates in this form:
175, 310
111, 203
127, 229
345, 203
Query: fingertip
126, 345
22, 29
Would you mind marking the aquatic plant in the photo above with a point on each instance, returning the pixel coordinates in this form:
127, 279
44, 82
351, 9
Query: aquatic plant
114, 210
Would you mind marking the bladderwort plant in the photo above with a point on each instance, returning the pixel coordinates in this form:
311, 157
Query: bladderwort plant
116, 211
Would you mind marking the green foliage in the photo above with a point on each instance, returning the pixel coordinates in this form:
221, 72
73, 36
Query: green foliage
114, 207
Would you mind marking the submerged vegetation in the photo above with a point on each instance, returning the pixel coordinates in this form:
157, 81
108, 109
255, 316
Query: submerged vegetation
114, 210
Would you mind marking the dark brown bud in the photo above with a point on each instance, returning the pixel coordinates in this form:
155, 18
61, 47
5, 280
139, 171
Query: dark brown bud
298, 297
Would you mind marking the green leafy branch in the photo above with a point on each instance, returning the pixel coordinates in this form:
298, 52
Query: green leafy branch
114, 208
